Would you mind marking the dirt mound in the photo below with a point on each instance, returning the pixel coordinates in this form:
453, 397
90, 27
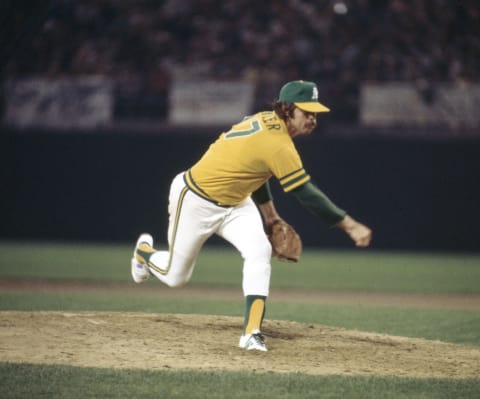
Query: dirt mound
173, 341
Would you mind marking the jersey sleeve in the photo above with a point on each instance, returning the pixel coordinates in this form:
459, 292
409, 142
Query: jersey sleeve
316, 202
287, 167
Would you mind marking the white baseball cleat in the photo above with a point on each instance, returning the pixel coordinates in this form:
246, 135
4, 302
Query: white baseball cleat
253, 341
138, 266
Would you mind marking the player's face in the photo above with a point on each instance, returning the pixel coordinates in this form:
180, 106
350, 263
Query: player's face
303, 122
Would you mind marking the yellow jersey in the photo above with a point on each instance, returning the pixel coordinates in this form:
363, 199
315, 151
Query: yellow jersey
244, 158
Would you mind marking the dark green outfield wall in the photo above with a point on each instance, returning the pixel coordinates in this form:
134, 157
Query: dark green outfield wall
111, 186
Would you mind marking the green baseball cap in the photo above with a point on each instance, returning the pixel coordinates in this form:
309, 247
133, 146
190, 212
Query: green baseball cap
303, 94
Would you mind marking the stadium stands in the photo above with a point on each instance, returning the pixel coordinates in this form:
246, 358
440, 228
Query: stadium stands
142, 45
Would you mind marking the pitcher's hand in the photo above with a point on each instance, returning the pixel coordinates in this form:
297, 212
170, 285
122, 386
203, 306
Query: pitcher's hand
360, 234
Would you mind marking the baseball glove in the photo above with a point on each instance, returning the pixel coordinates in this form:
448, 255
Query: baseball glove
286, 243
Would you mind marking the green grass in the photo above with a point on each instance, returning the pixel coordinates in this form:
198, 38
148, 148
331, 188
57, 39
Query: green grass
380, 271
365, 271
354, 270
74, 382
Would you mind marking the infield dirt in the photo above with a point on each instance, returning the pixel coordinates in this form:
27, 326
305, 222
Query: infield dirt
172, 341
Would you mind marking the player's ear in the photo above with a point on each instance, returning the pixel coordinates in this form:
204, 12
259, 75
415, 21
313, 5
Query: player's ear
286, 110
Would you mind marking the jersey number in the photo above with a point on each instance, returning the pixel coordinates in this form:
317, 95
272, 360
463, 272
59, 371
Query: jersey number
235, 132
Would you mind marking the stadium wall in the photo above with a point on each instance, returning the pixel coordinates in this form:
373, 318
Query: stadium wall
110, 186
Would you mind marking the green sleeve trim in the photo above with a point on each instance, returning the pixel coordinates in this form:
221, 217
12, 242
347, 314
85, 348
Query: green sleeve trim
263, 194
316, 202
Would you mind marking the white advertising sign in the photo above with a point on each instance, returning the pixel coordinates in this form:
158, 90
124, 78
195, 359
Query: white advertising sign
85, 102
208, 102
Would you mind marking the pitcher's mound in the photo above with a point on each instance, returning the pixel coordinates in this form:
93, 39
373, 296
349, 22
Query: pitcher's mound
174, 341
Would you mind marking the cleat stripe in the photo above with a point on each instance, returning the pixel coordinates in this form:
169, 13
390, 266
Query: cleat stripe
140, 259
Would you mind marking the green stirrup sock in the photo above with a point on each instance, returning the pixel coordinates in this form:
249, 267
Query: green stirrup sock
254, 313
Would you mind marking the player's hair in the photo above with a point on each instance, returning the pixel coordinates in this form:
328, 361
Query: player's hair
283, 110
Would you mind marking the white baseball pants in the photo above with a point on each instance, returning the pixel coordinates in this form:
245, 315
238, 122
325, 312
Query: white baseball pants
192, 220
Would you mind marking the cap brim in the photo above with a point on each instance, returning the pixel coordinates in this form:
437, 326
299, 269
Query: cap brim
312, 107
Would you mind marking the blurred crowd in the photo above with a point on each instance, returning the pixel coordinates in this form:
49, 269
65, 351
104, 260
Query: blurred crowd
143, 44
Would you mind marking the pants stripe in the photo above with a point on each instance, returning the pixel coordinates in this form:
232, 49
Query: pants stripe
174, 234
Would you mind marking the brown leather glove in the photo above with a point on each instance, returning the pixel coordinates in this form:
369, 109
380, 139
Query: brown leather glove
286, 243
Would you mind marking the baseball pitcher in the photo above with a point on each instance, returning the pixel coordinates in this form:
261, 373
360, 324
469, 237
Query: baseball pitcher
227, 193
